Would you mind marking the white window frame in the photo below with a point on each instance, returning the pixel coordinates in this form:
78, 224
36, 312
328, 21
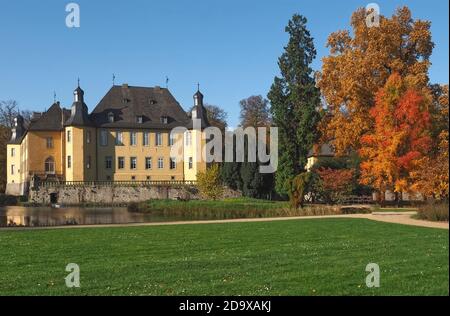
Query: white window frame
160, 163
121, 163
133, 138
133, 163
158, 139
146, 139
148, 163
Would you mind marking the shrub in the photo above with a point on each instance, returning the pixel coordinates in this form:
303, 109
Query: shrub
298, 187
437, 212
209, 183
334, 184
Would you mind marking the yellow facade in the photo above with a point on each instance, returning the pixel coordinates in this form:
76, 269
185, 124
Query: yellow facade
193, 154
72, 146
147, 157
78, 154
14, 164
80, 161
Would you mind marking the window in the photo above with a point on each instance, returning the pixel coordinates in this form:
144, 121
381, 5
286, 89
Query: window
190, 163
69, 136
103, 138
133, 178
49, 165
172, 178
13, 169
146, 139
148, 163
121, 162
88, 163
133, 138
69, 162
139, 119
173, 163
119, 138
164, 119
160, 163
49, 141
13, 152
188, 138
149, 178
111, 117
158, 139
133, 163
171, 139
108, 162
88, 137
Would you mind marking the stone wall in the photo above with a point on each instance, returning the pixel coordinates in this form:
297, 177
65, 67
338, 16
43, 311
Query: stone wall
113, 195
72, 195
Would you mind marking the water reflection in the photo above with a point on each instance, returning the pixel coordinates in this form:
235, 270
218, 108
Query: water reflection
16, 216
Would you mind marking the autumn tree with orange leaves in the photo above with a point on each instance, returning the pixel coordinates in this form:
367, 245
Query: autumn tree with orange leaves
360, 63
400, 138
431, 176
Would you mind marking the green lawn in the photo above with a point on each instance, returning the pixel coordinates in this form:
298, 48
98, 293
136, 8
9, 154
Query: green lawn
297, 257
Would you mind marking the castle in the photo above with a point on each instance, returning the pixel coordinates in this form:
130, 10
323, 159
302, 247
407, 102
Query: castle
127, 137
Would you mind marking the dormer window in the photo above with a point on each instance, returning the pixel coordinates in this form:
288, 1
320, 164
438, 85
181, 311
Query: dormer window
139, 119
111, 117
151, 101
164, 119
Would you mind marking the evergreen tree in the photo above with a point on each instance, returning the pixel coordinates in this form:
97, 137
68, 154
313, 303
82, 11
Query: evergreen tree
294, 101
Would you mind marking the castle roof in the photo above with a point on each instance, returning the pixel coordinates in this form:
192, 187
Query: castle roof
156, 107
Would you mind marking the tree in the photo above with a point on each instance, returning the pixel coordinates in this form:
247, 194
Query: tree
209, 183
432, 175
334, 184
8, 111
217, 116
359, 65
400, 137
255, 112
298, 187
294, 100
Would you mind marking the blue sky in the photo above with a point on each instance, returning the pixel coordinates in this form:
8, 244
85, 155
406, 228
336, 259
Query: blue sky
229, 46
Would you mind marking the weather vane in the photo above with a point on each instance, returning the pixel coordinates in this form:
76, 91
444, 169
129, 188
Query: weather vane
114, 78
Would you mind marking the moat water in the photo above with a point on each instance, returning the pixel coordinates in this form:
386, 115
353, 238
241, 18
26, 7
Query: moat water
17, 216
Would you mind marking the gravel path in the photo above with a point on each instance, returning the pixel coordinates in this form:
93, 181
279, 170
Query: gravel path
391, 217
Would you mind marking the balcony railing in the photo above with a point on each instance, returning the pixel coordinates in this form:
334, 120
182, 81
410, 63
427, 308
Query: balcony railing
48, 184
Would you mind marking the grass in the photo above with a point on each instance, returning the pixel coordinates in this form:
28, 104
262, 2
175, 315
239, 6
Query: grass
296, 257
235, 208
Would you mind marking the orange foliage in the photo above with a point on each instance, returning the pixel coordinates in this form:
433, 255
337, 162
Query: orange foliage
360, 62
400, 137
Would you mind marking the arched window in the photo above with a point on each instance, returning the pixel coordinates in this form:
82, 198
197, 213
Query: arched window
50, 165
